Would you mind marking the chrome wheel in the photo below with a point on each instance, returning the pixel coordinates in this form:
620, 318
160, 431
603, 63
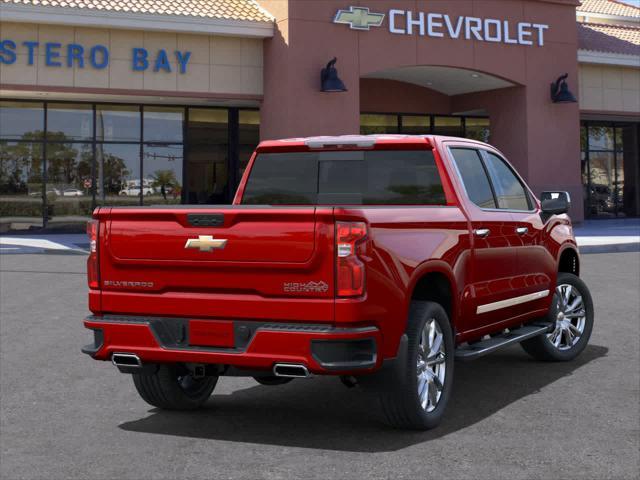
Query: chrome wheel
431, 366
571, 318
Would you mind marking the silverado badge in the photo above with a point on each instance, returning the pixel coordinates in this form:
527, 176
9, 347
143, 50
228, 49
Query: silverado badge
206, 243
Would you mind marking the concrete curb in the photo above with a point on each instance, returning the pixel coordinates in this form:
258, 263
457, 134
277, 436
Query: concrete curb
616, 248
65, 252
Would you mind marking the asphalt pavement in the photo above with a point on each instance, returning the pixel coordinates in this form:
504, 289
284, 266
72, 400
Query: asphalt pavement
65, 416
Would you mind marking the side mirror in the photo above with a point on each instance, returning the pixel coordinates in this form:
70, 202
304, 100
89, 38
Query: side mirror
555, 203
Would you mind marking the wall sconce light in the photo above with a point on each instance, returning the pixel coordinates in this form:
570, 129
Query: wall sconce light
329, 80
560, 92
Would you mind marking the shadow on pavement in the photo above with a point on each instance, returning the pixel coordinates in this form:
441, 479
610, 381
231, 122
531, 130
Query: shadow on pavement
320, 413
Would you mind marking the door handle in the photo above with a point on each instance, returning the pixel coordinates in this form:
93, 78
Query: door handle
482, 232
522, 230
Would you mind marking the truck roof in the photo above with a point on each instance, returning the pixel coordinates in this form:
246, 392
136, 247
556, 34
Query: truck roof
353, 141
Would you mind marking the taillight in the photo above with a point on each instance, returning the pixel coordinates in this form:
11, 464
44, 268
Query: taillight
92, 261
349, 268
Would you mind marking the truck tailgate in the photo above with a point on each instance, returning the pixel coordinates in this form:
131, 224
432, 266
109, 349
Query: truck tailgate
218, 262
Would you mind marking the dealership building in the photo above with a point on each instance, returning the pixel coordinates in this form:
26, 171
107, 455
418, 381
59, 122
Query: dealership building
136, 102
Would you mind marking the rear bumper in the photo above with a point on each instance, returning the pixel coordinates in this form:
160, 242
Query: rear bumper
258, 345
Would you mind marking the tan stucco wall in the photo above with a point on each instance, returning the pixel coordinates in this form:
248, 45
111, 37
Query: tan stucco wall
220, 65
609, 88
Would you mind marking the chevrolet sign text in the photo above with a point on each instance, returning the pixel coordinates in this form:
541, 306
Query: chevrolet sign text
442, 25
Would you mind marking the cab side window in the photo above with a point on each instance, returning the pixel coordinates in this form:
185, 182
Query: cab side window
510, 193
474, 177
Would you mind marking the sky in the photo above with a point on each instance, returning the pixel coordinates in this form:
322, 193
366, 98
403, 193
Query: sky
635, 3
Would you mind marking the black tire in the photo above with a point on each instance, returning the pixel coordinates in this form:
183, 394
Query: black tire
272, 380
172, 387
542, 347
399, 397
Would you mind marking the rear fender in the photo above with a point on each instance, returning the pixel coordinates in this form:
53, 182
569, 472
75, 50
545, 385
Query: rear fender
437, 266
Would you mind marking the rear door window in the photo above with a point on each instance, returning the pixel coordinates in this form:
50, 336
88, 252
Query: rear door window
510, 192
345, 177
474, 177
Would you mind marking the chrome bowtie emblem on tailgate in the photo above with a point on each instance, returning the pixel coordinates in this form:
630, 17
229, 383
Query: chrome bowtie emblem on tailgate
206, 243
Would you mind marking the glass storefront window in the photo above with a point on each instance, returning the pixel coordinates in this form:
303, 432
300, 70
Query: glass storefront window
118, 174
21, 120
162, 167
118, 123
109, 154
163, 124
67, 122
69, 170
477, 129
451, 126
21, 186
601, 138
69, 167
207, 166
248, 137
416, 124
371, 123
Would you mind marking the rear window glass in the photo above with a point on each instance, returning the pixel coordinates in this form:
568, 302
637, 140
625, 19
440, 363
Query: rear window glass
347, 178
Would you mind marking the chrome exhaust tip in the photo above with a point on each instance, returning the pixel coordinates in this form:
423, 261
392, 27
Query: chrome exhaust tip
290, 370
126, 360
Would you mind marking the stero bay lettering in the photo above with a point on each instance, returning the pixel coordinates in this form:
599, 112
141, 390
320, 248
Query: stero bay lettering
97, 56
141, 60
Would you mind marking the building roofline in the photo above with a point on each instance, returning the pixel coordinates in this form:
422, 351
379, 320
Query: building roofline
611, 16
135, 21
608, 58
589, 17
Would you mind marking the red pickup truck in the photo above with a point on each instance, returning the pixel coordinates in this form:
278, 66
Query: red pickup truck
378, 259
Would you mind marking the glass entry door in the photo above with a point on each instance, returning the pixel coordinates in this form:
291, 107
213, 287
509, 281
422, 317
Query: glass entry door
610, 169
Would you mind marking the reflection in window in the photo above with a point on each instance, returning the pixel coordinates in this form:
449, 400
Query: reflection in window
602, 184
248, 137
66, 122
378, 124
207, 156
610, 152
118, 123
163, 124
601, 138
21, 185
69, 198
118, 174
162, 166
345, 178
69, 167
478, 129
509, 190
95, 155
474, 177
416, 124
21, 120
450, 126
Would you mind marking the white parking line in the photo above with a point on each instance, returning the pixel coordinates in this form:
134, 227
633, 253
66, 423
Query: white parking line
32, 242
619, 240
